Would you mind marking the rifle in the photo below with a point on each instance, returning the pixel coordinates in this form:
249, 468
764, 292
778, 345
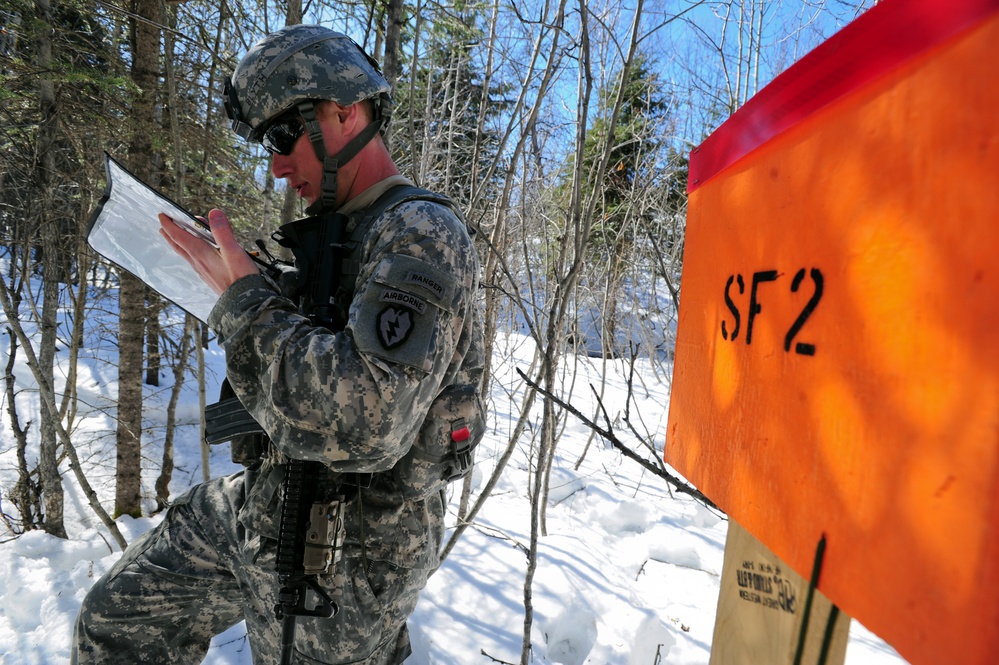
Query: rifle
310, 541
311, 532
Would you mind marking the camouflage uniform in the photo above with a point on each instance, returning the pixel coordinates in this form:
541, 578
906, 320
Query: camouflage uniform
365, 400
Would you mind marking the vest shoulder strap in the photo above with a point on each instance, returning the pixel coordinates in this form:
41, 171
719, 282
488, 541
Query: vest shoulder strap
350, 266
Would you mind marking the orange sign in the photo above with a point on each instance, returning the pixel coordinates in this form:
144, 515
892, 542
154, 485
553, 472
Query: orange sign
837, 360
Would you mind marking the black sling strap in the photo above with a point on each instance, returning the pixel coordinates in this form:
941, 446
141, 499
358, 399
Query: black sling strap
327, 283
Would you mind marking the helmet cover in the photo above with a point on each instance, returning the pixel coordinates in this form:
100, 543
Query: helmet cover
299, 63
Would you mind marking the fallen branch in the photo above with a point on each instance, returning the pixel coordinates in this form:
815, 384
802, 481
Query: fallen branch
610, 436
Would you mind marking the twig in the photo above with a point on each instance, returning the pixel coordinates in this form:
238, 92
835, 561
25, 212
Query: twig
641, 570
491, 532
47, 394
495, 660
610, 436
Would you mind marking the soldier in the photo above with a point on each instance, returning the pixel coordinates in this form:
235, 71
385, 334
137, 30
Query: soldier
379, 385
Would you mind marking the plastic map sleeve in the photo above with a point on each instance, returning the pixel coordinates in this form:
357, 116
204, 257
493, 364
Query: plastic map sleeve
125, 230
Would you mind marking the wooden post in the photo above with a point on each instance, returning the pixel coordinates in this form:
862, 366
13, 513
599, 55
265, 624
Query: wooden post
761, 611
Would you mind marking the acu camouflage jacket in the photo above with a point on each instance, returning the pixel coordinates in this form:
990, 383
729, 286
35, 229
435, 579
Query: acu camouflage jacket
369, 399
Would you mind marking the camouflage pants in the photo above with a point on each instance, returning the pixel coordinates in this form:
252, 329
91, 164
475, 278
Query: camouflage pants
199, 572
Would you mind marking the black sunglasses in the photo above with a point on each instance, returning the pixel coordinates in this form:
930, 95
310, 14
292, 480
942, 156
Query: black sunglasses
281, 135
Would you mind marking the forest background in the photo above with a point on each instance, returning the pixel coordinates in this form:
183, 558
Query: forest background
561, 128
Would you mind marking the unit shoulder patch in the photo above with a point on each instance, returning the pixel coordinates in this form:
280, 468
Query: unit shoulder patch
394, 326
399, 313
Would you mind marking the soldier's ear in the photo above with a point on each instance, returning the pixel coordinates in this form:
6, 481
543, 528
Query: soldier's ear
327, 109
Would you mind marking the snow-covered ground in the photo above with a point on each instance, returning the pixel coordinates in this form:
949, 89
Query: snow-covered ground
628, 574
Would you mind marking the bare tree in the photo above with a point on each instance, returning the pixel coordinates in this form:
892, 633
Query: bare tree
46, 392
26, 495
187, 342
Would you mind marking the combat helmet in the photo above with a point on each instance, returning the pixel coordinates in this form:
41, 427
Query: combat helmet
291, 69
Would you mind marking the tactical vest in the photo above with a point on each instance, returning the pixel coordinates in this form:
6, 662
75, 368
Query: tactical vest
328, 265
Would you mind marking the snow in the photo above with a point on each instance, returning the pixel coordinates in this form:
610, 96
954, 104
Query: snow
628, 572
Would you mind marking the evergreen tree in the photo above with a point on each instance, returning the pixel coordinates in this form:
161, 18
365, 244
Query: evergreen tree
635, 145
442, 131
628, 169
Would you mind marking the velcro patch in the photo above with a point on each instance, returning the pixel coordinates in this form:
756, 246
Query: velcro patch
403, 298
399, 316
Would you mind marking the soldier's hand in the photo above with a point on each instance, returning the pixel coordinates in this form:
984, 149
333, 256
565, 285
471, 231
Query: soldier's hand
219, 267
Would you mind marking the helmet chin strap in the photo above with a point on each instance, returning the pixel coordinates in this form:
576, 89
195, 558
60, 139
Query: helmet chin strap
327, 200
